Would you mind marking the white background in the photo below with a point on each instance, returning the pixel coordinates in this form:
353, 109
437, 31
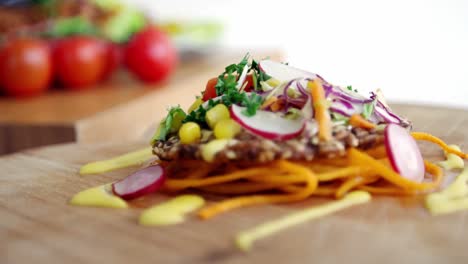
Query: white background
415, 50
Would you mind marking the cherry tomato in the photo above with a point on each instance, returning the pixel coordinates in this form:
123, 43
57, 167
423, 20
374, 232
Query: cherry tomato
25, 67
80, 61
113, 59
151, 56
210, 90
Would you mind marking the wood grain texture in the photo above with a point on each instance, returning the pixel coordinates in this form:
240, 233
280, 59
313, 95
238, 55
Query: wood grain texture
101, 114
37, 224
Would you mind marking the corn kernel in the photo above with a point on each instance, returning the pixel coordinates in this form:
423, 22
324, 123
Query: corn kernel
189, 133
216, 114
209, 150
227, 129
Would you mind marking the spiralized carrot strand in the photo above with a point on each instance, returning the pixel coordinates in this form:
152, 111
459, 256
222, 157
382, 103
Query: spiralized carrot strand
179, 184
338, 162
393, 190
325, 191
359, 158
357, 120
296, 170
239, 187
290, 188
322, 114
317, 167
428, 137
352, 183
342, 173
377, 152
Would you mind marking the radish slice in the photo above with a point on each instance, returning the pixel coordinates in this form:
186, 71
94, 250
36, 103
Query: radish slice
268, 124
404, 153
283, 72
145, 181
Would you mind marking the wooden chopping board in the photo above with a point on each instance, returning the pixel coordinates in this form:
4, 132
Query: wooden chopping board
36, 224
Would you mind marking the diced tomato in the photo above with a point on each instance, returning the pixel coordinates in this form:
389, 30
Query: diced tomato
210, 90
249, 86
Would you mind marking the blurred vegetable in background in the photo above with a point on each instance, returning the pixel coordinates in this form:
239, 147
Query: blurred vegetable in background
25, 67
150, 55
89, 40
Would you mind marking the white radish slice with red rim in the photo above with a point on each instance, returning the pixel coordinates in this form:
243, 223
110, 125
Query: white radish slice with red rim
283, 72
142, 182
403, 153
268, 124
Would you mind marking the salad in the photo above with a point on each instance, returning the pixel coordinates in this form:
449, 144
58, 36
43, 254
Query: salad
265, 132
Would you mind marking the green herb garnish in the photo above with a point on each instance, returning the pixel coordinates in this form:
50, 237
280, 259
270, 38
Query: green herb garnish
252, 103
260, 75
368, 109
198, 115
338, 117
170, 124
350, 88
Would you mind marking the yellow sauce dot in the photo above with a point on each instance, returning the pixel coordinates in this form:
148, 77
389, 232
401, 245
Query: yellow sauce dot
171, 212
451, 199
453, 161
99, 196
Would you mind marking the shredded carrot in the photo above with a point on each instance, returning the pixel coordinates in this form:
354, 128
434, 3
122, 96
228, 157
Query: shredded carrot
297, 172
319, 168
440, 142
338, 162
392, 190
179, 184
321, 110
277, 105
351, 183
342, 173
357, 120
268, 102
325, 191
362, 159
239, 187
378, 152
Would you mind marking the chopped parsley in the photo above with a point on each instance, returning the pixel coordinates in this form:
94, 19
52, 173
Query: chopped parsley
252, 103
350, 88
198, 115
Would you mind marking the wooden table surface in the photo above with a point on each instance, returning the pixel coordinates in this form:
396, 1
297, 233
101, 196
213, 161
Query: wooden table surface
37, 225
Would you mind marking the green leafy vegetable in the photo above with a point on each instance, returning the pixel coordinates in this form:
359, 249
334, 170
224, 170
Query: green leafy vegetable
252, 103
170, 124
293, 113
260, 75
72, 26
198, 115
350, 88
338, 117
368, 109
